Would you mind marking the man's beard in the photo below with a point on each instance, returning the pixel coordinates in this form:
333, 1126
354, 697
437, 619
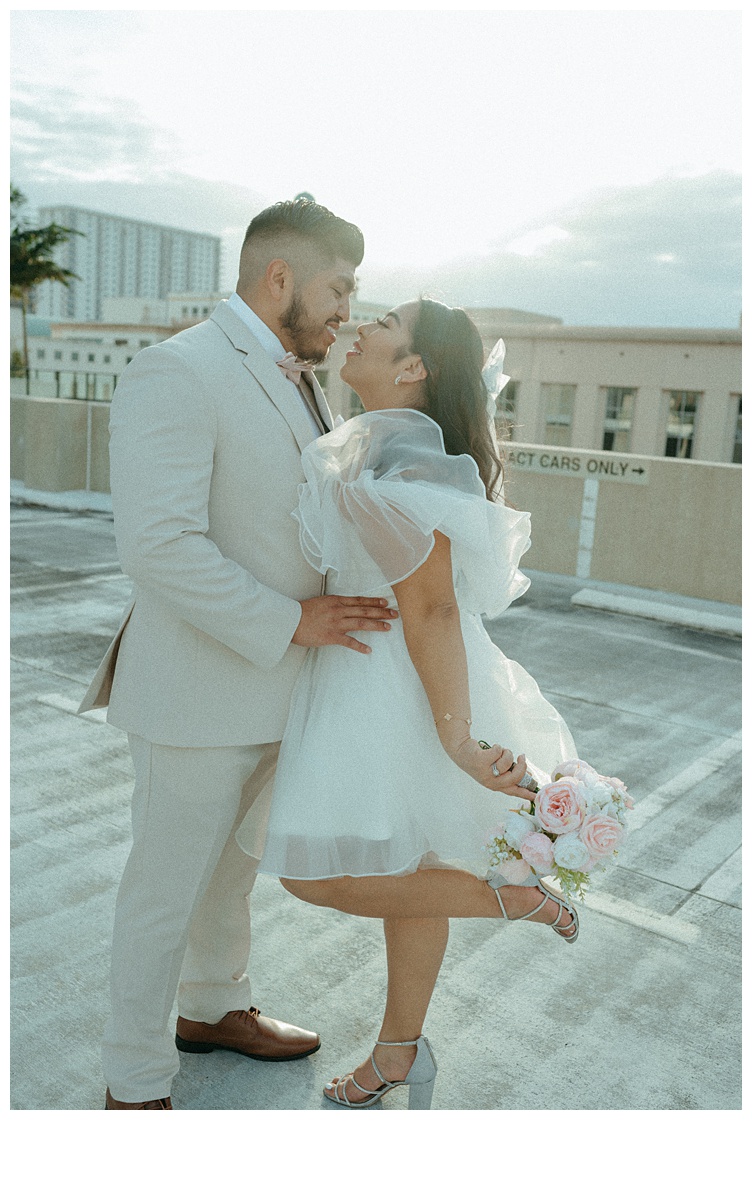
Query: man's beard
297, 321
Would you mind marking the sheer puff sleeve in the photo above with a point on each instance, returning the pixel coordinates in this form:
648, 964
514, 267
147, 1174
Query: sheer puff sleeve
377, 488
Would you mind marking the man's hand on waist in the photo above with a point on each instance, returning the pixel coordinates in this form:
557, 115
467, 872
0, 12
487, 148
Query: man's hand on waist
328, 620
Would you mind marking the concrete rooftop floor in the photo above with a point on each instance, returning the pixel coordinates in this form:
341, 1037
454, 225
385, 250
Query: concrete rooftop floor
644, 1013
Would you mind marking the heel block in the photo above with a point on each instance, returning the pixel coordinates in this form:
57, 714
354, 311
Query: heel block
194, 1047
420, 1095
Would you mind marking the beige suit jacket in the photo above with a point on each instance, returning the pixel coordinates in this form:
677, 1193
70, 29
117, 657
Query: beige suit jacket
205, 444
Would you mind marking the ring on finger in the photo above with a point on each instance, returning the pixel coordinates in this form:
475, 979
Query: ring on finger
495, 770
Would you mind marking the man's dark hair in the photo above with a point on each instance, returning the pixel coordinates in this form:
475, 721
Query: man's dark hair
334, 237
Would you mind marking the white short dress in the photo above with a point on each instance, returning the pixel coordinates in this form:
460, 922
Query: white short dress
363, 785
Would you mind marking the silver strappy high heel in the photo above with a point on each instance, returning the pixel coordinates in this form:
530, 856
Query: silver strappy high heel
498, 881
420, 1080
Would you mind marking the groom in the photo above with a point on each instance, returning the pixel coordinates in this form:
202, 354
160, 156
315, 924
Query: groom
207, 430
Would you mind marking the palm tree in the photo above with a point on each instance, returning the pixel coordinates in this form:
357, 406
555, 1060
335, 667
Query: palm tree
31, 260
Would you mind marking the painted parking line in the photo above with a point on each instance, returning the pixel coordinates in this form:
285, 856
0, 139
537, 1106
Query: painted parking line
673, 928
86, 581
66, 705
31, 523
619, 635
698, 771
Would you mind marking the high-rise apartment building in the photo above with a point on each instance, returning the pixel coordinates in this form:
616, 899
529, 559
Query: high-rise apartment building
121, 257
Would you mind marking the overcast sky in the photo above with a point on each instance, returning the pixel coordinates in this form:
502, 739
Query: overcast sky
582, 163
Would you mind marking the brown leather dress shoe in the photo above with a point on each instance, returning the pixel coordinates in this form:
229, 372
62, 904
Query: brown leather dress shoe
247, 1032
110, 1103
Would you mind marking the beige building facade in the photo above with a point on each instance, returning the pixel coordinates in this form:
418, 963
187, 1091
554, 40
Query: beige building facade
672, 393
83, 359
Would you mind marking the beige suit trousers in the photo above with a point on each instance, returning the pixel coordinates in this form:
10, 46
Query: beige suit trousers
182, 911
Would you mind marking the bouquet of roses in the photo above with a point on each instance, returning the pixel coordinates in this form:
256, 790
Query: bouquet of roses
574, 826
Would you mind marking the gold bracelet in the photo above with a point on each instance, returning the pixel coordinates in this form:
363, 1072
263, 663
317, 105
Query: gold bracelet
450, 717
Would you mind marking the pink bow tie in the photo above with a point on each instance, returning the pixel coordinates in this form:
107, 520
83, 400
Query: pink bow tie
293, 367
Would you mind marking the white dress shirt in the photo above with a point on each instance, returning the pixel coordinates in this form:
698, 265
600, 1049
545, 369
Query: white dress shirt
271, 343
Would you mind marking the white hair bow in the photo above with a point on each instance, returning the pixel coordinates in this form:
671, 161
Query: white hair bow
493, 375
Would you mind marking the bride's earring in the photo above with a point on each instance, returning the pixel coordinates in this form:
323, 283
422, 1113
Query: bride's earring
398, 379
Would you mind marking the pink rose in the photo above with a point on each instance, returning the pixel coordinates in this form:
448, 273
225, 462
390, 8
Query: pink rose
601, 835
570, 767
559, 806
515, 871
538, 850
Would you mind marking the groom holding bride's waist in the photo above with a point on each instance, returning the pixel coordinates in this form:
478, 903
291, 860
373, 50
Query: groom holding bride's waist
207, 430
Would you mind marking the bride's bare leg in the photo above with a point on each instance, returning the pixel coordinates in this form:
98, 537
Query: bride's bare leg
425, 893
414, 953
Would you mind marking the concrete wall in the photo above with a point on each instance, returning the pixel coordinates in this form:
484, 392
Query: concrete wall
59, 445
675, 528
678, 532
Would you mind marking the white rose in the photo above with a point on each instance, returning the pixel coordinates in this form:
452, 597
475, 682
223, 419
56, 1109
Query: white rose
598, 795
570, 853
586, 775
619, 789
516, 827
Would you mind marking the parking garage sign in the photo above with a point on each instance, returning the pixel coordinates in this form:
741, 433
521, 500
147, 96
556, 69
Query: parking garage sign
579, 464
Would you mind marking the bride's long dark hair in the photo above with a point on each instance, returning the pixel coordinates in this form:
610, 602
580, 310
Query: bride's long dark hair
454, 394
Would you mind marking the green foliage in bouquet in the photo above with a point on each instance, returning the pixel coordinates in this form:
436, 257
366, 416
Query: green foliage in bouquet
572, 883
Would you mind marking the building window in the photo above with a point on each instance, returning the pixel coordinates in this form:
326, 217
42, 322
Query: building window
106, 358
680, 430
204, 310
737, 454
40, 353
558, 409
143, 342
58, 355
356, 408
74, 356
91, 358
121, 341
617, 425
185, 310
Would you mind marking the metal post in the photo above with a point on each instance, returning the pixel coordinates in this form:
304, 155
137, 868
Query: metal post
88, 447
587, 528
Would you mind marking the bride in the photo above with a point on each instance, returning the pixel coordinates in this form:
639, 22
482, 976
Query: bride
383, 795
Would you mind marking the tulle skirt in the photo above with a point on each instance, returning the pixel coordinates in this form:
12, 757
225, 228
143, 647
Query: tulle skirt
363, 785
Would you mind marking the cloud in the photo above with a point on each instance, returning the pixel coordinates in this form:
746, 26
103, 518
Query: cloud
59, 134
664, 253
103, 155
536, 240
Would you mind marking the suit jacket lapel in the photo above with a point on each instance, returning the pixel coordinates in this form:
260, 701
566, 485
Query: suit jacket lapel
267, 373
